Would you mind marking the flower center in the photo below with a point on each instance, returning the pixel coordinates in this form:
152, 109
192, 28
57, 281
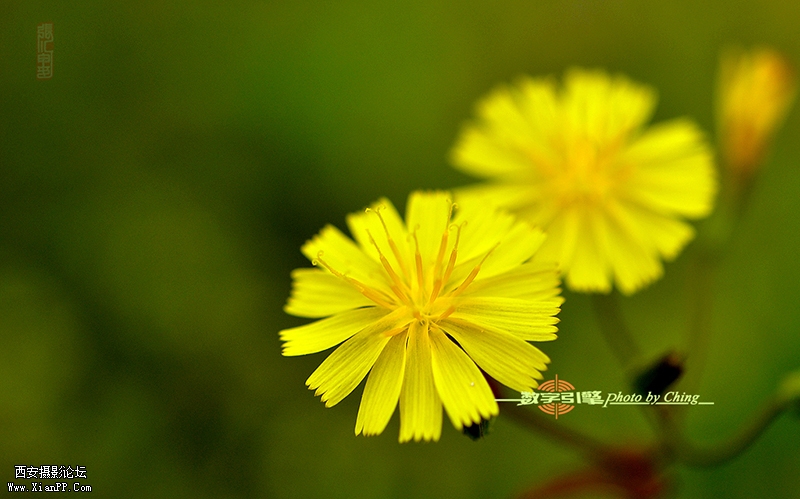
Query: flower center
421, 289
587, 174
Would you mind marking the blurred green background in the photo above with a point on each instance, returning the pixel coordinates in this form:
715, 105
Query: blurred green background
155, 192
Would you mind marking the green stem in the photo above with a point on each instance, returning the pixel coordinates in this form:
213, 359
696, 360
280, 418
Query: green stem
701, 301
614, 328
715, 234
619, 338
589, 446
689, 454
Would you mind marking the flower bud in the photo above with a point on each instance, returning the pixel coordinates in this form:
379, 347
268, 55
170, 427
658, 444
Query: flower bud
755, 92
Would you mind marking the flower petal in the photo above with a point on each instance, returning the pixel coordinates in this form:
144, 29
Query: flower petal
510, 196
482, 228
535, 280
483, 153
513, 130
344, 256
420, 405
665, 235
562, 239
674, 171
516, 246
538, 101
317, 293
506, 358
603, 108
427, 217
368, 223
590, 268
464, 391
344, 369
326, 333
528, 320
486, 230
635, 263
383, 387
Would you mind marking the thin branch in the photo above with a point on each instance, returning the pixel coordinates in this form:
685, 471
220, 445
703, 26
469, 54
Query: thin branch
614, 328
703, 457
589, 446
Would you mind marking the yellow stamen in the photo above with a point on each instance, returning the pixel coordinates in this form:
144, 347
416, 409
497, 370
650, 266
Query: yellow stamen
447, 312
372, 294
418, 265
392, 245
437, 266
437, 287
396, 331
453, 254
473, 273
399, 288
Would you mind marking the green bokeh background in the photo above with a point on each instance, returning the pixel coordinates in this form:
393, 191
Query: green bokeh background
155, 192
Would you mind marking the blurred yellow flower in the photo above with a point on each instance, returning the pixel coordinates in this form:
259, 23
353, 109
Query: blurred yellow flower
755, 91
578, 162
417, 304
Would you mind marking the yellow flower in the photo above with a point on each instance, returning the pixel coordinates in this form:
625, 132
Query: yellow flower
755, 92
417, 304
579, 163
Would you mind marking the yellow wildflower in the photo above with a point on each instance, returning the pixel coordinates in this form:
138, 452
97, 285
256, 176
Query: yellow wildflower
579, 163
417, 304
755, 92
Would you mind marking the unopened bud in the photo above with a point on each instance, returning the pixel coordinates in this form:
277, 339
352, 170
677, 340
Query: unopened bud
755, 92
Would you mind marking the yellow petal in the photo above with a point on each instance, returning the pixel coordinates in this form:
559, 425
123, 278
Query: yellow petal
634, 264
665, 235
510, 196
536, 281
506, 358
420, 405
603, 108
538, 102
345, 257
674, 171
427, 217
383, 388
562, 239
513, 133
530, 320
483, 227
486, 154
464, 391
486, 230
367, 223
517, 246
316, 293
501, 110
587, 267
344, 369
326, 333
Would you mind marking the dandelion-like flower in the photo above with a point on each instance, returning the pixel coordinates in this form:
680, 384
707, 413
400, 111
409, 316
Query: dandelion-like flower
578, 162
756, 90
419, 305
